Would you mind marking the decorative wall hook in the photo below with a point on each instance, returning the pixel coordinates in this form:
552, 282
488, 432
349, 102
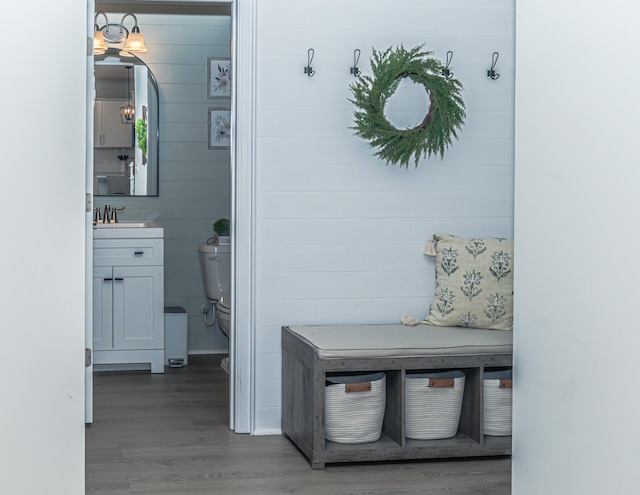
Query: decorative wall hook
491, 72
308, 70
356, 58
446, 72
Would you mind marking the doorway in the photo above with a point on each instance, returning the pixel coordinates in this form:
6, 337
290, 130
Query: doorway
196, 186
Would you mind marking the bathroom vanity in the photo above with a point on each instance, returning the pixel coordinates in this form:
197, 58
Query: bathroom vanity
128, 296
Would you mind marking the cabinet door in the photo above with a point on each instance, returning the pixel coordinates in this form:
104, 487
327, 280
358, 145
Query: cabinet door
102, 308
109, 129
138, 312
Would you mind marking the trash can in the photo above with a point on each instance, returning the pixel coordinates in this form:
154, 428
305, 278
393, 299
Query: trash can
176, 329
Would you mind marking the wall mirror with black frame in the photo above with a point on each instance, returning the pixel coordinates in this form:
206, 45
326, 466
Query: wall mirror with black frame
125, 153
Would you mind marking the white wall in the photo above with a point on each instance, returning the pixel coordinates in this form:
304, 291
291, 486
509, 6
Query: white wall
194, 180
576, 230
42, 252
339, 233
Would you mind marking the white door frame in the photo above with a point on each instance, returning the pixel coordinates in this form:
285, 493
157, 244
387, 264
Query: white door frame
241, 346
88, 298
242, 404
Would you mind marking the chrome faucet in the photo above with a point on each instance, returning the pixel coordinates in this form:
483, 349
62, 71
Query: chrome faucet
97, 217
114, 216
109, 215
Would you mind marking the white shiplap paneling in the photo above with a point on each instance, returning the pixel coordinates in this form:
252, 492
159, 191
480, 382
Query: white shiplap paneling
339, 233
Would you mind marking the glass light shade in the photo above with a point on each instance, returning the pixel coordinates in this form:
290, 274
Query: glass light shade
127, 113
135, 43
99, 45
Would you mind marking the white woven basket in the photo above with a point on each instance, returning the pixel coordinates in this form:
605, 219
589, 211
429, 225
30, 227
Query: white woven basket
433, 402
354, 408
497, 395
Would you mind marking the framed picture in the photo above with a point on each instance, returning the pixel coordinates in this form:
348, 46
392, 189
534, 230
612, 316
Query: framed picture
219, 128
219, 77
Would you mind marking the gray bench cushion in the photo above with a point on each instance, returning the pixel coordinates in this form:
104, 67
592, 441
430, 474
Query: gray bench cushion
391, 341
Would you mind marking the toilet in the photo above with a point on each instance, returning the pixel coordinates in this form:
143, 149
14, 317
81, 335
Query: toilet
215, 265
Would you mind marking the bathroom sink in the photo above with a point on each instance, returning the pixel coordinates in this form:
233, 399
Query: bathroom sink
127, 230
125, 225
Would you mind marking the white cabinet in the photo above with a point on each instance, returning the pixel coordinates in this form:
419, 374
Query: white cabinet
109, 131
128, 303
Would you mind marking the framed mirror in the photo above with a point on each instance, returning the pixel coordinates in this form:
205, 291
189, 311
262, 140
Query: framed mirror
126, 127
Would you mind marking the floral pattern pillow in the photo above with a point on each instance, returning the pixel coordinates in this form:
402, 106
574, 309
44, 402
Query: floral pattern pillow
474, 283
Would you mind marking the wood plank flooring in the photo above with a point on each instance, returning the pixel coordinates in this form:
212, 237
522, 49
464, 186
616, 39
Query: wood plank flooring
169, 434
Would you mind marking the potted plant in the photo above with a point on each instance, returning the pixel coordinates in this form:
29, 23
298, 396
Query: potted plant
141, 137
221, 228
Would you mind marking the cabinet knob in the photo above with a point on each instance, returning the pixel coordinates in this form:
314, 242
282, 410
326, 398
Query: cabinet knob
138, 253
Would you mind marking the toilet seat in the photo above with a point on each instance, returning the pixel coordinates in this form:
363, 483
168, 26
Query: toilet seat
223, 309
223, 304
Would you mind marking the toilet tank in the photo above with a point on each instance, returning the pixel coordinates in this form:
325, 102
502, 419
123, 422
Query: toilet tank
215, 265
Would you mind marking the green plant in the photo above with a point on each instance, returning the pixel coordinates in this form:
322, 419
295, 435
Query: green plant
221, 226
141, 135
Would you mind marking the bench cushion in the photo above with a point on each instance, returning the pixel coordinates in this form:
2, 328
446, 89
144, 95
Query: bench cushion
391, 340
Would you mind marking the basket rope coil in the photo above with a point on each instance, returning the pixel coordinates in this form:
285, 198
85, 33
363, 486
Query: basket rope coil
354, 408
497, 398
433, 411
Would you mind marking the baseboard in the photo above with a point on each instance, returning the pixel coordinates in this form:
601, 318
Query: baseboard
267, 431
122, 367
207, 351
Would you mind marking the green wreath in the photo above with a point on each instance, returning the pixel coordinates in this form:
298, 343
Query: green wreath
444, 117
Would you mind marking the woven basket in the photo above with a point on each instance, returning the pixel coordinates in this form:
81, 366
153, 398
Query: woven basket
354, 408
497, 394
433, 402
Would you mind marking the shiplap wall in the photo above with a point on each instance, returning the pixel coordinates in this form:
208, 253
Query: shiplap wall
339, 233
194, 180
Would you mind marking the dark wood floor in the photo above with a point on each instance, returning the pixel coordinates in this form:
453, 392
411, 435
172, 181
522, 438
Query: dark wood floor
168, 434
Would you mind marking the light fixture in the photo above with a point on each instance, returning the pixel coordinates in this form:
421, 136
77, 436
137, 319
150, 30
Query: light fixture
135, 41
99, 45
127, 112
116, 34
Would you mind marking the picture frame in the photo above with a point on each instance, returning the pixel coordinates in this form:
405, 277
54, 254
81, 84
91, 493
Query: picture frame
218, 77
219, 128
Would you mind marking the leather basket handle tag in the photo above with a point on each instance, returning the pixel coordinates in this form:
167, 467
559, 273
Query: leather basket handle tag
441, 382
357, 387
506, 383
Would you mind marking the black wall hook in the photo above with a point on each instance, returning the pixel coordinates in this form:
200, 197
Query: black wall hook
491, 72
446, 72
356, 58
308, 70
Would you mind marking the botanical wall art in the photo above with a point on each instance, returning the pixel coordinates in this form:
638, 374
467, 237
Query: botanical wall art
445, 115
219, 77
219, 128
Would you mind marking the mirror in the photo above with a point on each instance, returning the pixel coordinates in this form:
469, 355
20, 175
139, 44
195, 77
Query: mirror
125, 153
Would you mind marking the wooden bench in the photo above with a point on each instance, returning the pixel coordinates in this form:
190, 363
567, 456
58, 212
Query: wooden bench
310, 353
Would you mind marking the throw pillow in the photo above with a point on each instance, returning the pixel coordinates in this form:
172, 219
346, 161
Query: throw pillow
474, 282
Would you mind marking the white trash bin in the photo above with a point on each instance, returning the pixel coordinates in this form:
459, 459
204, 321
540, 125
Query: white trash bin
176, 330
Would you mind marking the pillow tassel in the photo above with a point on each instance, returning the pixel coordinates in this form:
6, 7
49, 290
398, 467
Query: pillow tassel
430, 248
410, 321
